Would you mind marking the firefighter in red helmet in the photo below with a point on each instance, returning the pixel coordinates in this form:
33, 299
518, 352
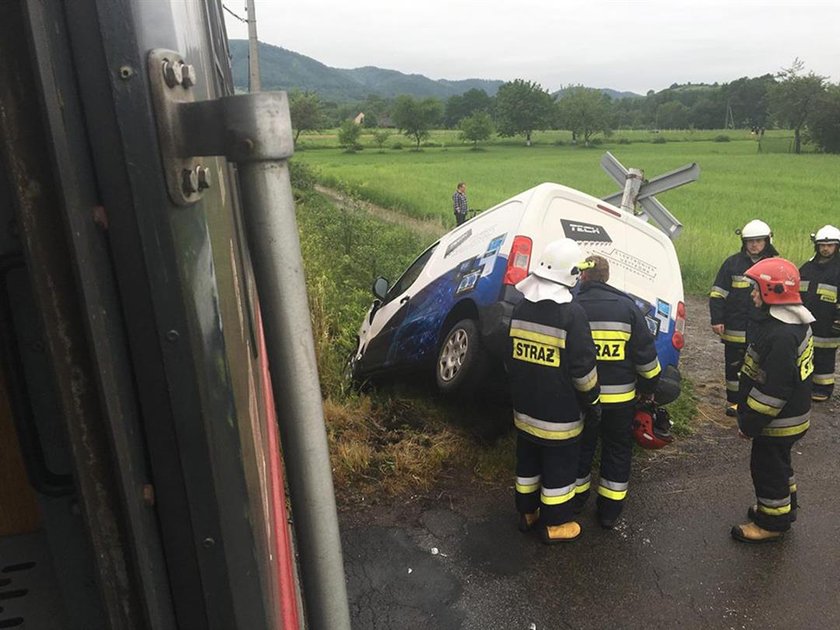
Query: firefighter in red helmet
775, 396
628, 368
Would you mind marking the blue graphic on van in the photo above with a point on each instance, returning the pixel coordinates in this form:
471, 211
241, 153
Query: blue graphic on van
415, 340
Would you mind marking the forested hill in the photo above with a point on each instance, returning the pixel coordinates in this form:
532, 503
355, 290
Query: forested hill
282, 69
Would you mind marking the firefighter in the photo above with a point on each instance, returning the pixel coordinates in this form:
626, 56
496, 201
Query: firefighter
820, 278
554, 387
775, 396
627, 366
730, 305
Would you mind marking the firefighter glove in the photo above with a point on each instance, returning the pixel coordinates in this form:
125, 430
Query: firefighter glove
592, 418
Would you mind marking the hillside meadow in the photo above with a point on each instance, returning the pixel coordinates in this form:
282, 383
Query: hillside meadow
795, 194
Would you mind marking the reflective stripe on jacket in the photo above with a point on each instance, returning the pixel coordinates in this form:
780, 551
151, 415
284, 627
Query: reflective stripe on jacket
776, 380
819, 294
551, 369
626, 348
729, 299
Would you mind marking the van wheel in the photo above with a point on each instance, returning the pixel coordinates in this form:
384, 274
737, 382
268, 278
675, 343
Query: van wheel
462, 360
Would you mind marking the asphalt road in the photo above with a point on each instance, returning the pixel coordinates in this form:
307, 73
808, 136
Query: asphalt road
457, 560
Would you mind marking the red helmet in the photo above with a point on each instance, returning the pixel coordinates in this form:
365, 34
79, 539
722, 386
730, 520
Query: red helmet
652, 426
777, 279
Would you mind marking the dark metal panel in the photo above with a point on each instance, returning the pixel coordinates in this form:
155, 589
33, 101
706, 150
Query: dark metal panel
87, 227
26, 158
196, 338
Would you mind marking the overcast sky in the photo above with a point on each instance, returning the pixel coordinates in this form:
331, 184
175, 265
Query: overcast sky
630, 45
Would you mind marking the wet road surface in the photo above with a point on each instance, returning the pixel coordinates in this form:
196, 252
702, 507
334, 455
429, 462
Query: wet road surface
457, 560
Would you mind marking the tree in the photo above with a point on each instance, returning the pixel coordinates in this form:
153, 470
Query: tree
415, 118
305, 112
793, 98
521, 108
476, 128
672, 115
585, 112
824, 124
380, 137
348, 135
460, 106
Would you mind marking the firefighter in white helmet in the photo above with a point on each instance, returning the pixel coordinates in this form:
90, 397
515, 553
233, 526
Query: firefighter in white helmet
820, 281
730, 305
554, 386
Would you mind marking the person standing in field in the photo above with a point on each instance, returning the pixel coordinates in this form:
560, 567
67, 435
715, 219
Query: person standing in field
730, 305
820, 279
459, 203
774, 404
554, 386
627, 361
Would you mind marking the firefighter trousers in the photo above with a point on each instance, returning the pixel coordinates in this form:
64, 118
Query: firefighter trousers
545, 478
824, 360
775, 486
733, 356
616, 433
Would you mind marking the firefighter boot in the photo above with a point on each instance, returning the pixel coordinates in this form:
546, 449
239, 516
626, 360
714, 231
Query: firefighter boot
553, 534
527, 520
752, 533
753, 510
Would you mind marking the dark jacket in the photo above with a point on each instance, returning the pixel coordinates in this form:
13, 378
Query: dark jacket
625, 346
729, 300
819, 294
775, 386
551, 369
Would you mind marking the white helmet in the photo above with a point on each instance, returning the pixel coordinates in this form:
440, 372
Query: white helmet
827, 234
756, 229
560, 262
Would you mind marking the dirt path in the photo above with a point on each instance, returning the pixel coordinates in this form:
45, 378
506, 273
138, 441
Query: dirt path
430, 228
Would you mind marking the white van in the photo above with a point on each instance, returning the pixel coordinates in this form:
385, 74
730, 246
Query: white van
450, 311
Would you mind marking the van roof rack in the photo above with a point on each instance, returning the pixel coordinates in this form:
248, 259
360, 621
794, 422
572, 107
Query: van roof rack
638, 190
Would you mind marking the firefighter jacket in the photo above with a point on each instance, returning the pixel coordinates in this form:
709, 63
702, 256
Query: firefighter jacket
775, 386
551, 368
625, 347
818, 288
729, 300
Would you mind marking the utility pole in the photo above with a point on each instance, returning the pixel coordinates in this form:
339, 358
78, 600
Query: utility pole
253, 52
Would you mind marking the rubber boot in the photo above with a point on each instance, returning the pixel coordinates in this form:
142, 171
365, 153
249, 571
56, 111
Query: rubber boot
553, 534
752, 533
528, 520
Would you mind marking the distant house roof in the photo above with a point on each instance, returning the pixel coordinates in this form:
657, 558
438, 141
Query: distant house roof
360, 118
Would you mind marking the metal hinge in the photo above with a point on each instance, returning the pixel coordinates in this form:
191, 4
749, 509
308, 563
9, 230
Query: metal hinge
242, 127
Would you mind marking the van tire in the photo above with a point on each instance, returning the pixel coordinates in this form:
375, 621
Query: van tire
462, 360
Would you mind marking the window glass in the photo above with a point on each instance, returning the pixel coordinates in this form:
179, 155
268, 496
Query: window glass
411, 274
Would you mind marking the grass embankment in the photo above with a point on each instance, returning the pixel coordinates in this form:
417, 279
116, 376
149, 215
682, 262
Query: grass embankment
391, 441
795, 194
396, 440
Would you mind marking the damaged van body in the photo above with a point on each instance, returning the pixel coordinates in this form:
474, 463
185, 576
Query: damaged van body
450, 310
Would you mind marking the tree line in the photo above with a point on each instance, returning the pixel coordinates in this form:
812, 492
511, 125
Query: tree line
794, 98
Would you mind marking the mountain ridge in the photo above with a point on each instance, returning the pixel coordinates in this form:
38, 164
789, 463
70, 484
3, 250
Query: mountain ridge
282, 69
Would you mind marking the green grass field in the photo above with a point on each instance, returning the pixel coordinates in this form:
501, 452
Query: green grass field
795, 194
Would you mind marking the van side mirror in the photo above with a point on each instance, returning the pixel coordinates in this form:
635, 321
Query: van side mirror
380, 287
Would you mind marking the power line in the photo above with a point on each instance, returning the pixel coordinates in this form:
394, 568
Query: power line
241, 19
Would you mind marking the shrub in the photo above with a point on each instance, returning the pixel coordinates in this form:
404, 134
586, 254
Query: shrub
623, 141
397, 146
722, 138
658, 140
